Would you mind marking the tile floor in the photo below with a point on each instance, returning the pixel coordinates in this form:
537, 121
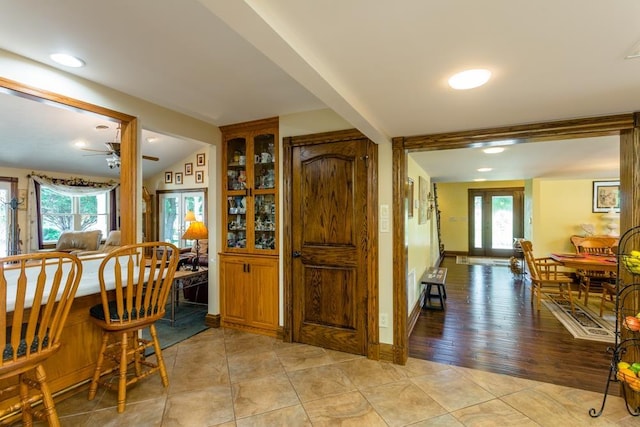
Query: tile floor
222, 377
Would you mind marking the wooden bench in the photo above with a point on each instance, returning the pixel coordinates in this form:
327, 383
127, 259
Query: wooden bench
434, 277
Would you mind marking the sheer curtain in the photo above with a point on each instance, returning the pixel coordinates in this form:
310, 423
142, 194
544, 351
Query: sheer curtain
68, 187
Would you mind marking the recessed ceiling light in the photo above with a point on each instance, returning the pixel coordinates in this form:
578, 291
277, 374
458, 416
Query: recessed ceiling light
80, 144
469, 79
480, 179
151, 139
493, 150
67, 60
485, 169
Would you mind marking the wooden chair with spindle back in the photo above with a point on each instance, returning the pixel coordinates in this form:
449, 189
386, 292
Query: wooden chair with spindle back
593, 280
36, 293
547, 277
135, 281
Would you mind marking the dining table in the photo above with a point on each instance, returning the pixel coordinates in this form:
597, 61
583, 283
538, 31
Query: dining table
590, 262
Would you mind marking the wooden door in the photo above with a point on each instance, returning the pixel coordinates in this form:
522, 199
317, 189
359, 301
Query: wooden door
330, 242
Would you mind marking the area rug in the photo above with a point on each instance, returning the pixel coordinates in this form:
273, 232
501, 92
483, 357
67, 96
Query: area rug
189, 322
585, 323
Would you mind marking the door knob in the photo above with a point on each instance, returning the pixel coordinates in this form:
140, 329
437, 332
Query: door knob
297, 254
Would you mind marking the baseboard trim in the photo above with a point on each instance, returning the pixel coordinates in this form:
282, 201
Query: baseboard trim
386, 352
212, 320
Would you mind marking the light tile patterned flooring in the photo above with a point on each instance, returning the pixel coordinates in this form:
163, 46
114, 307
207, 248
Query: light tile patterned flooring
223, 377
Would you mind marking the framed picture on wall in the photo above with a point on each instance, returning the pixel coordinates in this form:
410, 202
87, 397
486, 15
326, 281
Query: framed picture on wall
410, 197
606, 195
168, 177
423, 206
199, 177
178, 176
188, 169
200, 159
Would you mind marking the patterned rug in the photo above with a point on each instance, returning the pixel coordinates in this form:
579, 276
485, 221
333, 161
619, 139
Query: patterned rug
585, 323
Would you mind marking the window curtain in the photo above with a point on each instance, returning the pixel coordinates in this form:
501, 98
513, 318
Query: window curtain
67, 187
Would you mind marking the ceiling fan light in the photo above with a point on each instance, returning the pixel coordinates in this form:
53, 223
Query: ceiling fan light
67, 60
113, 161
469, 79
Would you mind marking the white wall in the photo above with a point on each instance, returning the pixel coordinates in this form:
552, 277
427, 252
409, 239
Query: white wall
420, 238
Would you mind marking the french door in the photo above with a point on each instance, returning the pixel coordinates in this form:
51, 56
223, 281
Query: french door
172, 211
496, 217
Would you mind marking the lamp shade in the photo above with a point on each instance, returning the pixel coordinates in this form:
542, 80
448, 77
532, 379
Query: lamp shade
196, 231
190, 216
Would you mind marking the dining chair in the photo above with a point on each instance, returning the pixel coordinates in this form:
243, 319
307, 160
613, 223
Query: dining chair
609, 291
36, 293
593, 280
547, 277
135, 281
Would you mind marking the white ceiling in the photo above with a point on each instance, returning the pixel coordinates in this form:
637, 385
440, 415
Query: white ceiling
381, 65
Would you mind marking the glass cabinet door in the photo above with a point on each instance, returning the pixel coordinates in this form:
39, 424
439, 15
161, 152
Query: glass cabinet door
264, 162
236, 222
265, 222
264, 177
237, 164
250, 191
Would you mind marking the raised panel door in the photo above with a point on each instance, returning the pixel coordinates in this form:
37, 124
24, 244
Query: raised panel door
263, 311
234, 288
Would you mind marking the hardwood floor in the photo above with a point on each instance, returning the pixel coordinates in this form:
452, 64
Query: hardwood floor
490, 324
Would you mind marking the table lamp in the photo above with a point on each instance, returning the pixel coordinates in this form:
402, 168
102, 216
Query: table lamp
196, 231
190, 216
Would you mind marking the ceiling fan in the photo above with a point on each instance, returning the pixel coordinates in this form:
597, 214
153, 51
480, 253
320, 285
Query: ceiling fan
113, 148
113, 153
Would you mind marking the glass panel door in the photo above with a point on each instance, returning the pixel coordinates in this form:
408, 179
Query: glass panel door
496, 217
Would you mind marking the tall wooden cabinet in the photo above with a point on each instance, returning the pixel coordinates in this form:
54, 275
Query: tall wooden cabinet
249, 258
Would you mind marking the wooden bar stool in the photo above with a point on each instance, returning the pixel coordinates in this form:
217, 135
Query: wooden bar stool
36, 293
135, 281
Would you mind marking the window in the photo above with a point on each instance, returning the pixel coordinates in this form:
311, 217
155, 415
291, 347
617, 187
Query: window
5, 197
60, 213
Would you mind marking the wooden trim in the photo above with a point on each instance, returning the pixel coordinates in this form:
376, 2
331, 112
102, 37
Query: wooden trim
536, 132
128, 146
373, 332
400, 254
287, 243
252, 125
415, 313
40, 95
212, 320
336, 136
386, 352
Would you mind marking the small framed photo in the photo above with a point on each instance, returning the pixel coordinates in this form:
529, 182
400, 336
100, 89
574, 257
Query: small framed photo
178, 177
410, 197
200, 159
168, 177
188, 169
606, 195
199, 177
